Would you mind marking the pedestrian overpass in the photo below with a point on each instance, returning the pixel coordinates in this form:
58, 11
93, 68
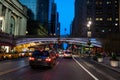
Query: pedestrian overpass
93, 41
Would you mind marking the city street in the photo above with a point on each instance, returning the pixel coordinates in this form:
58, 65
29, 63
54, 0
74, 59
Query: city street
65, 69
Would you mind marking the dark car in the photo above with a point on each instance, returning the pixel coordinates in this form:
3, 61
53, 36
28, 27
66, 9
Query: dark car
42, 58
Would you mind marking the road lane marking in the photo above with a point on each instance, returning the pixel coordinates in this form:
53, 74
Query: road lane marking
57, 63
85, 69
11, 70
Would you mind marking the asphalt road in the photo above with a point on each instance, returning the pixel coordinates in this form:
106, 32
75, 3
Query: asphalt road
65, 69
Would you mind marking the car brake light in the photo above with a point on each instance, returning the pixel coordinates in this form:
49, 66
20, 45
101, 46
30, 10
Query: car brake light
48, 59
31, 58
65, 54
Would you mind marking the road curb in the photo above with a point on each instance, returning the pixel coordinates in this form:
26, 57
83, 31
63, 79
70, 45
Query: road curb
97, 69
107, 66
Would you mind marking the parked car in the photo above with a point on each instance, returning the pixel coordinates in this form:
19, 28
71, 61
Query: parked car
42, 58
11, 55
67, 54
1, 56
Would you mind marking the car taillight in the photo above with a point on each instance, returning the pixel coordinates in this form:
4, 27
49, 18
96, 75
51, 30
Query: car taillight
65, 54
48, 59
31, 58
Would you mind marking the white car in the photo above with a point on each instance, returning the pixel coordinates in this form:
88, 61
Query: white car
67, 54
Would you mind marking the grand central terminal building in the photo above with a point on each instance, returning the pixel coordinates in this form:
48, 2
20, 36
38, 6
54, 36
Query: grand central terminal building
13, 22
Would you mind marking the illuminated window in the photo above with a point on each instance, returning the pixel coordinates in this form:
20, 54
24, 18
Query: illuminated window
116, 24
89, 19
110, 19
115, 1
103, 30
100, 2
89, 33
97, 19
101, 19
116, 19
108, 2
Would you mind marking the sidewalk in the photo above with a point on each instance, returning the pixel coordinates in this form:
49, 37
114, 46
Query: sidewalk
107, 64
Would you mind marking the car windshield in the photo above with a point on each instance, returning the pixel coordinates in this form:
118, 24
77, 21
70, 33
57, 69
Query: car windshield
68, 52
38, 53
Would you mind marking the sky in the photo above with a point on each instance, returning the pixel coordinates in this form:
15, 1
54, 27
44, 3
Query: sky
66, 14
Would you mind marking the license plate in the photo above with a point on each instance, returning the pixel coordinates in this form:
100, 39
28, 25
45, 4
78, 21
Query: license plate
39, 59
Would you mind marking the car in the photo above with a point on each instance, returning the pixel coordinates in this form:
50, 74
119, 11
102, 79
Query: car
42, 59
55, 53
67, 54
1, 56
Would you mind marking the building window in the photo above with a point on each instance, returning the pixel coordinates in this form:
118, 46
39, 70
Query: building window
89, 33
109, 19
103, 31
100, 2
108, 2
12, 25
97, 19
116, 19
115, 1
101, 19
116, 24
89, 19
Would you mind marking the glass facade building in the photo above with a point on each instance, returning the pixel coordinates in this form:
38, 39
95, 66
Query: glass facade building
32, 5
43, 11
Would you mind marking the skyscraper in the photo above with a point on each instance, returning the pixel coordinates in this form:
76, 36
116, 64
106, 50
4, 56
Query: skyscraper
42, 10
103, 15
32, 5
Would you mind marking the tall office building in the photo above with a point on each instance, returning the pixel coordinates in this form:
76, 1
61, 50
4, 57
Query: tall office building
32, 5
43, 12
96, 18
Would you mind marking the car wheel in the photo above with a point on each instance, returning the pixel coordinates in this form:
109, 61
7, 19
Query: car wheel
51, 65
33, 67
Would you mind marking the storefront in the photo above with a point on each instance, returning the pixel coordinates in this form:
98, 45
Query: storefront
6, 42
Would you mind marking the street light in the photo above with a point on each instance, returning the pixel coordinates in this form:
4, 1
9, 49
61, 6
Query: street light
89, 28
89, 34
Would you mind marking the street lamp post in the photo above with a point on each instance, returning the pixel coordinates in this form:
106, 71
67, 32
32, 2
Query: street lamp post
89, 34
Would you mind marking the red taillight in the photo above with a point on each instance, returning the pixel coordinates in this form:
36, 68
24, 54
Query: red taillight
65, 54
48, 59
31, 58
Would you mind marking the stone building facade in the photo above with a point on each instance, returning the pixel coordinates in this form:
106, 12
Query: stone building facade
13, 22
13, 17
